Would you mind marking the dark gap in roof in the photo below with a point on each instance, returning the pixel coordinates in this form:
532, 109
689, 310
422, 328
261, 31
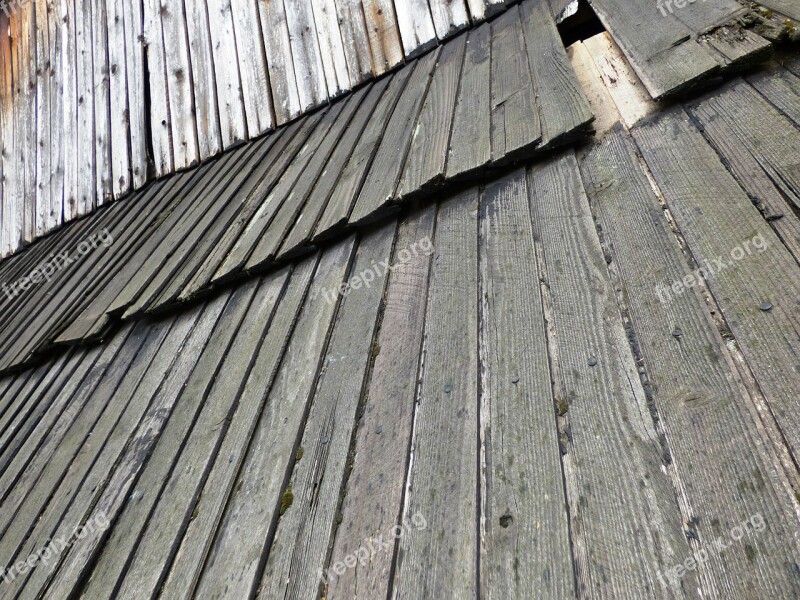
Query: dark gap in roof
581, 25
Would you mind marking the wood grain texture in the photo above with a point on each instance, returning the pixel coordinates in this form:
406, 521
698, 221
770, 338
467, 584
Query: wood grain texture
442, 483
119, 113
449, 17
161, 123
332, 49
282, 79
416, 26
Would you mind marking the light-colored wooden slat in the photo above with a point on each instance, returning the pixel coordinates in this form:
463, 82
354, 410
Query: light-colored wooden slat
355, 40
442, 484
524, 519
5, 129
235, 558
209, 138
625, 523
383, 33
24, 51
69, 97
253, 67
119, 109
232, 118
449, 17
299, 548
179, 81
279, 60
416, 26
160, 120
308, 69
101, 99
86, 152
334, 60
137, 107
43, 107
384, 434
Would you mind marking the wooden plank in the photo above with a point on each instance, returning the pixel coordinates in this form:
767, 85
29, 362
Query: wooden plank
209, 137
714, 442
666, 58
104, 188
380, 186
266, 250
232, 119
253, 68
124, 536
309, 72
470, 143
303, 533
515, 118
235, 561
43, 221
188, 564
179, 84
24, 65
384, 434
355, 172
119, 108
427, 156
135, 50
442, 485
355, 40
525, 540
480, 10
86, 148
334, 60
118, 484
69, 63
613, 459
737, 47
602, 105
449, 17
383, 34
160, 130
170, 517
781, 87
281, 68
416, 26
299, 238
692, 179
703, 16
786, 7
564, 112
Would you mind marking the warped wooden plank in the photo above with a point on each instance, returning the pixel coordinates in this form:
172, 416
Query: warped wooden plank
563, 109
298, 239
119, 483
304, 531
101, 86
470, 144
124, 536
253, 66
692, 179
209, 136
525, 540
427, 156
385, 432
133, 14
449, 17
235, 556
334, 59
416, 26
613, 459
708, 419
383, 34
358, 166
281, 68
442, 483
170, 517
233, 124
160, 126
188, 564
179, 84
380, 185
306, 56
119, 107
515, 118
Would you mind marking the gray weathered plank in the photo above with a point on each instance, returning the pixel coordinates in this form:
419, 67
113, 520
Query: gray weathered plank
279, 60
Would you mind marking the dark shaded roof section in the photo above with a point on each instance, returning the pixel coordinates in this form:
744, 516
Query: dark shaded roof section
513, 392
677, 46
494, 95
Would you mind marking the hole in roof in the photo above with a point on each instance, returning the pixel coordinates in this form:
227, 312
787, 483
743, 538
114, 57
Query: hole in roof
578, 22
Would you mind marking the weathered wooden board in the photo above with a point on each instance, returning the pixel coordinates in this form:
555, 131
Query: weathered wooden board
332, 49
160, 133
355, 40
137, 84
442, 485
100, 94
416, 26
304, 531
626, 526
786, 7
716, 448
119, 108
449, 17
383, 34
279, 59
525, 540
236, 558
373, 497
692, 179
